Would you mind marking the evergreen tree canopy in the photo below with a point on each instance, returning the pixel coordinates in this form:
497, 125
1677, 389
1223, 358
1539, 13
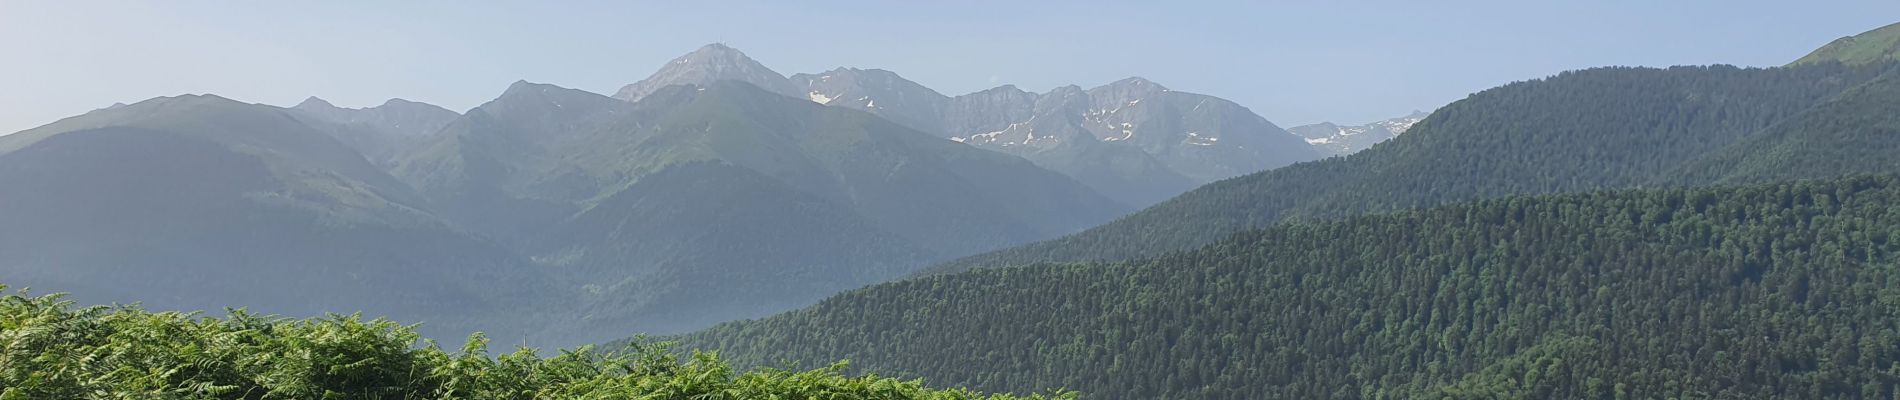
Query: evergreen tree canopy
1786, 290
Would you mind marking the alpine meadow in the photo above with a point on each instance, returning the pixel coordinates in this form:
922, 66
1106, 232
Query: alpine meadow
1054, 201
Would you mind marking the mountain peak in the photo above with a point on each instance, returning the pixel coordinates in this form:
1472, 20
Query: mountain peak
522, 84
394, 101
1344, 139
191, 99
314, 102
1126, 90
709, 63
1137, 82
524, 88
716, 54
718, 48
1005, 88
324, 107
399, 105
1066, 90
541, 101
853, 72
856, 82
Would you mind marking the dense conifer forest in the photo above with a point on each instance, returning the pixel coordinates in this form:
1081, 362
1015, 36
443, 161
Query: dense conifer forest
1778, 290
1595, 129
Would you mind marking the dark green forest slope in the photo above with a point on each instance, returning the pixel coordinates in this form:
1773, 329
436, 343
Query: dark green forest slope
1577, 131
1784, 290
52, 350
1857, 132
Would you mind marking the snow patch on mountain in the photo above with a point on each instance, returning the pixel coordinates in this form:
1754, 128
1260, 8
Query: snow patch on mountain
1343, 140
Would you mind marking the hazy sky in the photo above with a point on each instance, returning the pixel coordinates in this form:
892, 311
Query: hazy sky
1293, 62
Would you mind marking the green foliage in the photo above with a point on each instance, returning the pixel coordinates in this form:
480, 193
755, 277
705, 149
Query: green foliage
1595, 129
52, 350
1879, 45
1787, 290
1857, 132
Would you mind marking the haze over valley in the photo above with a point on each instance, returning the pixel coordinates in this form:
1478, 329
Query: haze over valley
715, 225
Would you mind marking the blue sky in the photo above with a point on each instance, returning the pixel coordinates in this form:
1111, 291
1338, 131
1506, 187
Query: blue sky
1293, 62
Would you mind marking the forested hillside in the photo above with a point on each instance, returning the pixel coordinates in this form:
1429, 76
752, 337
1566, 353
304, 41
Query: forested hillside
1779, 290
52, 350
1857, 132
1576, 131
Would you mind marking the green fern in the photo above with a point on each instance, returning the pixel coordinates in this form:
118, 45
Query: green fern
50, 349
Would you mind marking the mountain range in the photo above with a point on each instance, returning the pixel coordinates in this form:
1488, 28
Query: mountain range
177, 201
1132, 140
1602, 128
1344, 140
382, 133
713, 190
787, 197
1603, 233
